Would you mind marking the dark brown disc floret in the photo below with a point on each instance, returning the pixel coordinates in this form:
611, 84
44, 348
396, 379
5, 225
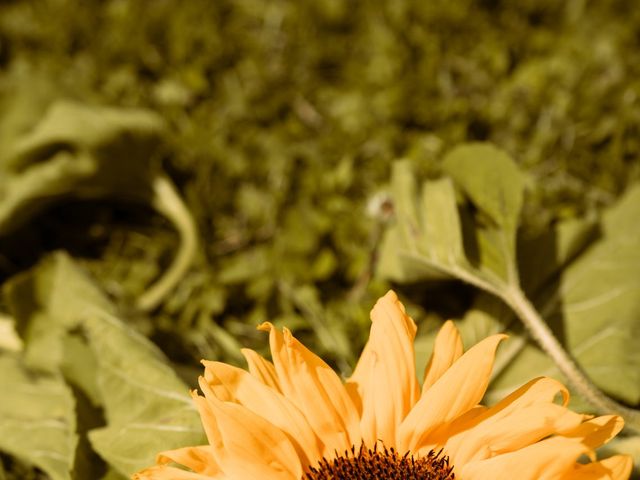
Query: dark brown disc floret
382, 464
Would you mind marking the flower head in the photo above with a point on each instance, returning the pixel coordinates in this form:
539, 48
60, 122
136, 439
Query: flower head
295, 419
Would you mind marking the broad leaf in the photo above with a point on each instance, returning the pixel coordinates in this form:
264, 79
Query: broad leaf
37, 418
426, 240
492, 181
77, 150
495, 185
430, 238
596, 312
47, 302
542, 257
72, 326
147, 407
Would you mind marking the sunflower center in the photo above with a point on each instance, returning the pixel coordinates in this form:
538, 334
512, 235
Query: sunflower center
382, 464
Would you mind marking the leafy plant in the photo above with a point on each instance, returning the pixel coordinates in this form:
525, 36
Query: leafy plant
278, 124
589, 292
79, 355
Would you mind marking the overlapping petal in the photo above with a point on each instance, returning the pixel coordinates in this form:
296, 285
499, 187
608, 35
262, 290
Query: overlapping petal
385, 377
458, 390
446, 350
237, 385
249, 446
617, 467
163, 472
279, 419
316, 390
199, 459
545, 460
262, 369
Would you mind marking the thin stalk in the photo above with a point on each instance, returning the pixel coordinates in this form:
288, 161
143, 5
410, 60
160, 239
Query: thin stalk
515, 298
576, 377
167, 202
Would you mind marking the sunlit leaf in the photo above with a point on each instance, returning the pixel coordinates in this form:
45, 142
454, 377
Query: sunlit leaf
147, 407
426, 239
77, 150
69, 320
495, 186
37, 418
596, 312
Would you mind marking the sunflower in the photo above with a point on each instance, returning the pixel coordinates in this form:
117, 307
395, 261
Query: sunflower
295, 419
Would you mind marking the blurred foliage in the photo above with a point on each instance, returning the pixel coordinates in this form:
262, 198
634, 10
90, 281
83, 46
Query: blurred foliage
284, 118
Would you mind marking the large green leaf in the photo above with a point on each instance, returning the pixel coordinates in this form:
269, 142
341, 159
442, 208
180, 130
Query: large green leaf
147, 407
426, 240
495, 185
596, 310
71, 327
430, 238
78, 150
37, 418
543, 256
47, 302
492, 181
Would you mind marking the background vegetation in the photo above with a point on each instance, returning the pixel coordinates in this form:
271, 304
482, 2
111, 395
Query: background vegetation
283, 122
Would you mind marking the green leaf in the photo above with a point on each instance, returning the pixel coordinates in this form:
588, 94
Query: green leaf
77, 150
442, 236
431, 240
426, 240
69, 320
495, 185
147, 407
47, 302
37, 418
596, 312
492, 180
487, 316
543, 256
114, 475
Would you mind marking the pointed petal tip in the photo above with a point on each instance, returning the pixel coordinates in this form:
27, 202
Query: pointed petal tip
621, 467
390, 298
449, 324
265, 327
288, 337
391, 295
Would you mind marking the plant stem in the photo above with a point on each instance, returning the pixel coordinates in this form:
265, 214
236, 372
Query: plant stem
167, 202
576, 377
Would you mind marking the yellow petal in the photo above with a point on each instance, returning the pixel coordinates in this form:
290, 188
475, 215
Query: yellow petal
522, 418
316, 390
355, 384
522, 427
238, 447
620, 466
458, 390
210, 425
386, 376
200, 459
617, 467
252, 447
260, 368
545, 460
597, 431
538, 390
239, 386
446, 350
164, 472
